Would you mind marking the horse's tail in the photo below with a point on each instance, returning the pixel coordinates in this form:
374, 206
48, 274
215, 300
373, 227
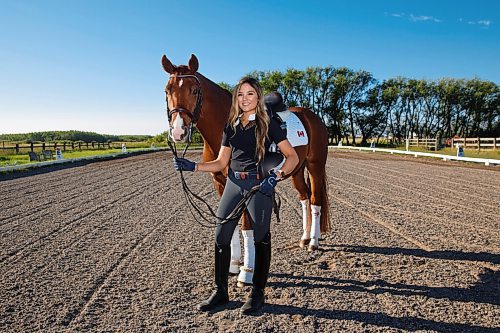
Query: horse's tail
325, 208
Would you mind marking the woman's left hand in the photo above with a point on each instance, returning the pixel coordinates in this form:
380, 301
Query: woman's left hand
268, 184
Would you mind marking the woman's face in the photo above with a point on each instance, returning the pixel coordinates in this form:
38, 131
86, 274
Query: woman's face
247, 98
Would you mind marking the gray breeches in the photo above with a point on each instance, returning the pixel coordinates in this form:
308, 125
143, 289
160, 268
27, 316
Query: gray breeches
259, 208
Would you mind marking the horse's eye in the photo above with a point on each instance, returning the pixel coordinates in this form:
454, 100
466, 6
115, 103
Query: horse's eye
195, 91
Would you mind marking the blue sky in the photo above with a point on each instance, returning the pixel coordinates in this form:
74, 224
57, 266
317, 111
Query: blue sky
94, 65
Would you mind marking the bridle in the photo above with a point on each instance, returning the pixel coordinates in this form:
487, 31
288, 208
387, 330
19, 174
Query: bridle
194, 116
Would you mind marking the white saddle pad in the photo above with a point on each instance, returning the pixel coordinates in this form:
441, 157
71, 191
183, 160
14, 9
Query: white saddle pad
295, 131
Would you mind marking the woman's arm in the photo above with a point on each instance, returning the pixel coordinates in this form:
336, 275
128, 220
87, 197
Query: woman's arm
292, 159
219, 163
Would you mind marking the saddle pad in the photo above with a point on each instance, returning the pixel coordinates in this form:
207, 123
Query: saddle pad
295, 131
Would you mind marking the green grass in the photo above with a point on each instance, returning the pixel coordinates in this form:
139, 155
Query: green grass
13, 160
22, 158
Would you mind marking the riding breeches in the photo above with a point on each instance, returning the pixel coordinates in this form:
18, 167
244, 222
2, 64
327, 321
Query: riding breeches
259, 208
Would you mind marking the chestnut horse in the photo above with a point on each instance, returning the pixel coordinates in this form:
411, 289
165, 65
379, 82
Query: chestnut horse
194, 99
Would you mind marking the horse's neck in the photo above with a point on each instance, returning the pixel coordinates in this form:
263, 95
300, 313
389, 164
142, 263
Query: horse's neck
214, 113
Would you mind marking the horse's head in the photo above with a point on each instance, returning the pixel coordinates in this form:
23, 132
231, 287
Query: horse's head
184, 98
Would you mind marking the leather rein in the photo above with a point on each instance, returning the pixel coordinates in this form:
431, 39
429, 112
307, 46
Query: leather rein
188, 193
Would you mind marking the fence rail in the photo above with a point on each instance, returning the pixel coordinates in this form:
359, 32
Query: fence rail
474, 143
431, 144
477, 143
64, 146
485, 161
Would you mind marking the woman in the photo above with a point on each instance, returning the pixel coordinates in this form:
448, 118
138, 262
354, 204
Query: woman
246, 138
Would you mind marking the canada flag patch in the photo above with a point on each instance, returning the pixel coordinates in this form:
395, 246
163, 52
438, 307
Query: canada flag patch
300, 134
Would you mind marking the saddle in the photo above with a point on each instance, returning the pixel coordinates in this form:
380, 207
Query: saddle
295, 130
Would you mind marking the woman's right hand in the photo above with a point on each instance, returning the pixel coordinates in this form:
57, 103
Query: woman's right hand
182, 164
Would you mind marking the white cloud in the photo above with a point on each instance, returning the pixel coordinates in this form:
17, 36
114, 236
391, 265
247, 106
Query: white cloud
415, 18
484, 23
424, 18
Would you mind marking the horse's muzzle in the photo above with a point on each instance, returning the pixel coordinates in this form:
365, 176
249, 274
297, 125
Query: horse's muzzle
179, 134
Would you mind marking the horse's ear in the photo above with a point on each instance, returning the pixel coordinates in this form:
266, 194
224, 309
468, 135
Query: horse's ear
167, 65
193, 63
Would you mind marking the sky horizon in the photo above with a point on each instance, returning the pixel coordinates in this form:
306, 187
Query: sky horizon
92, 65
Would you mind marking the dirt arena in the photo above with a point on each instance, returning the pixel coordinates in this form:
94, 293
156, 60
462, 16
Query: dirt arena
112, 247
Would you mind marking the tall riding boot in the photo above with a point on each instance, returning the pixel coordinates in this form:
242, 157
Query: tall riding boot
261, 271
219, 296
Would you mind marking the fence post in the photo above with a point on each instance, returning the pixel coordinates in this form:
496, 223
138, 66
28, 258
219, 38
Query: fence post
478, 143
17, 148
72, 145
494, 143
43, 146
465, 142
31, 146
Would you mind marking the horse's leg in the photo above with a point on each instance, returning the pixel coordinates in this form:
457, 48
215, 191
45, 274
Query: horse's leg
316, 176
246, 271
234, 267
301, 187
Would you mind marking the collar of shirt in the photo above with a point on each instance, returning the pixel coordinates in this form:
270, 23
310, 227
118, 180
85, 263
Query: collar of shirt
250, 118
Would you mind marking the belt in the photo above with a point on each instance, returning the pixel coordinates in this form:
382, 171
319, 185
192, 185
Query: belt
246, 175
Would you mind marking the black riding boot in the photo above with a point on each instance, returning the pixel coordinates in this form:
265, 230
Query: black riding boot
261, 271
219, 296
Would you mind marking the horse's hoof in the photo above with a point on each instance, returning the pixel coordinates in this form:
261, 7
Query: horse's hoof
240, 284
303, 243
312, 248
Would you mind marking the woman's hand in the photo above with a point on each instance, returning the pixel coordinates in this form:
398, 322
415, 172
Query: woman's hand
182, 164
268, 184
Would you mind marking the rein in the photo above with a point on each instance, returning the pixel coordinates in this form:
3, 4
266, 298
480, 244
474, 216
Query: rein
193, 207
188, 193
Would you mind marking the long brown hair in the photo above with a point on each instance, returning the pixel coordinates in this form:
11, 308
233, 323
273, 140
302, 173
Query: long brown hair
261, 117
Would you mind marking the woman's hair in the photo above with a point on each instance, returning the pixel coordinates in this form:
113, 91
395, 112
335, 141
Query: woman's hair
261, 117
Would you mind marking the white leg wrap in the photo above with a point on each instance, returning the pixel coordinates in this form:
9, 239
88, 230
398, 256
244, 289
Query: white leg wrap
315, 224
246, 271
234, 267
305, 227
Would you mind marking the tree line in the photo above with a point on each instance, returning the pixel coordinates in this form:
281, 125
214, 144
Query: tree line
50, 136
353, 103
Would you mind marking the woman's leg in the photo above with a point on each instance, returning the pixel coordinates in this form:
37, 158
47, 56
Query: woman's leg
223, 234
260, 209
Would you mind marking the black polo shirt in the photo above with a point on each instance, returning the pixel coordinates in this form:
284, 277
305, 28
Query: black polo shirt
243, 143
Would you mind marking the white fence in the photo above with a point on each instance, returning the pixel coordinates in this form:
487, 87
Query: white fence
485, 161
